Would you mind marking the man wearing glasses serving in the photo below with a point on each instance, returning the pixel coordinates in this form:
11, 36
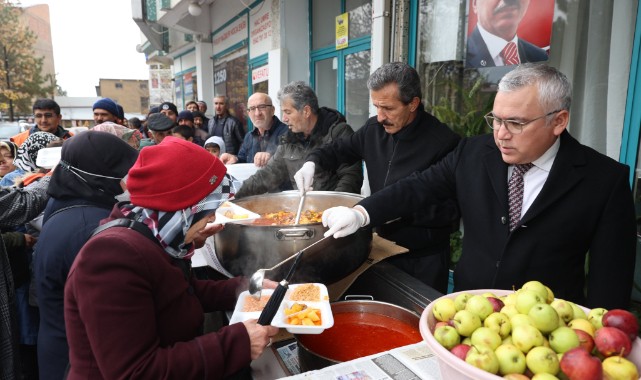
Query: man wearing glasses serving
536, 204
259, 144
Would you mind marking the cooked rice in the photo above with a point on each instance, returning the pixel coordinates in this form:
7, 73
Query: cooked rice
252, 304
306, 292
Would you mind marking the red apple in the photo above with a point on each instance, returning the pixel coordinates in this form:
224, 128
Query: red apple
585, 340
439, 324
497, 304
622, 320
612, 341
578, 364
460, 350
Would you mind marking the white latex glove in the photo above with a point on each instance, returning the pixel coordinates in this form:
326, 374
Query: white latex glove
305, 177
343, 221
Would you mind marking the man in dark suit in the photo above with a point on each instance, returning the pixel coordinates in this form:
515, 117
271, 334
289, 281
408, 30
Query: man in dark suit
577, 203
494, 41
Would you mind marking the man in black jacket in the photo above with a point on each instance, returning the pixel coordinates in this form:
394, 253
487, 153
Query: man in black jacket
401, 139
224, 125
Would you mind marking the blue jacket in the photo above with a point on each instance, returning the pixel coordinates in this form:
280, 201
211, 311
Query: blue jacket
252, 141
62, 236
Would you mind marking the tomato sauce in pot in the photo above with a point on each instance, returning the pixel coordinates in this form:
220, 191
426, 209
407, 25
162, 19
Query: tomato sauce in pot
357, 334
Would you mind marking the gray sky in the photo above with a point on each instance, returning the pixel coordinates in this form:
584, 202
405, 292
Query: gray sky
93, 39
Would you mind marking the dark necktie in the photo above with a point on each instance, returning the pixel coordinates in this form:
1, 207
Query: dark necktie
515, 193
510, 54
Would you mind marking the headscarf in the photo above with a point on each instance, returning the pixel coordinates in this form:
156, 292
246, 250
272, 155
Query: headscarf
28, 151
91, 166
131, 136
170, 228
216, 140
11, 147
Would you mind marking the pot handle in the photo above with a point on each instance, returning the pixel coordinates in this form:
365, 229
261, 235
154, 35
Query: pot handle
358, 296
294, 233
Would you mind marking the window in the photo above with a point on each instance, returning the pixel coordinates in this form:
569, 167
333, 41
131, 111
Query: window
119, 85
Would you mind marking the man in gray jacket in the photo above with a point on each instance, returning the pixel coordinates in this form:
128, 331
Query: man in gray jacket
310, 126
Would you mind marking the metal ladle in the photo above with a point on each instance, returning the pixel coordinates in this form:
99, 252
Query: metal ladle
256, 280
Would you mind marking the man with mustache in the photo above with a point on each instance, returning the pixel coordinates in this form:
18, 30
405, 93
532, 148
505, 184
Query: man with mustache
494, 41
400, 139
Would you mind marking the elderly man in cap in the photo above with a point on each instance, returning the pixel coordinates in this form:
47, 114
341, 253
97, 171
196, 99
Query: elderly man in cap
159, 127
187, 118
105, 109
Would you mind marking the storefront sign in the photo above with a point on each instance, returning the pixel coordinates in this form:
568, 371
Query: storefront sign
342, 31
260, 74
230, 35
260, 30
220, 76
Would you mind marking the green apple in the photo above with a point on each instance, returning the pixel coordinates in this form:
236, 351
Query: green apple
484, 358
595, 316
526, 299
480, 306
545, 317
511, 359
509, 299
499, 323
489, 294
538, 288
487, 337
579, 313
465, 322
467, 340
542, 360
616, 367
447, 336
550, 298
525, 337
582, 324
461, 300
521, 319
544, 376
564, 309
444, 309
509, 310
563, 339
507, 340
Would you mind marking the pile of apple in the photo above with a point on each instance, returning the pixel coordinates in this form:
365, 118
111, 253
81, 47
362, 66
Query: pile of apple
529, 334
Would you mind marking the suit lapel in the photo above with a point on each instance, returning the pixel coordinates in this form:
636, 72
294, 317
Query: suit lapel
496, 170
477, 53
562, 178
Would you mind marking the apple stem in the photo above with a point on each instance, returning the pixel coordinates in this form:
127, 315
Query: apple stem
621, 353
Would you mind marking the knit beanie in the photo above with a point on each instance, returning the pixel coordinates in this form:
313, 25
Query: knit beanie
173, 175
107, 105
185, 115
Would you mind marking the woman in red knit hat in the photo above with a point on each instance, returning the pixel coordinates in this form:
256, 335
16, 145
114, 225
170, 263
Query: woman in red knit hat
132, 309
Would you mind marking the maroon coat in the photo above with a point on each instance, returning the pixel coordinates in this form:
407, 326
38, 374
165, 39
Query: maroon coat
130, 313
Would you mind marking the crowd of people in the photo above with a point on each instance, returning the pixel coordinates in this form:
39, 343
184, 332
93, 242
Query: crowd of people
96, 249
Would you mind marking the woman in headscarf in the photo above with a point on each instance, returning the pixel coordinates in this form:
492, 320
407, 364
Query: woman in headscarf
25, 160
8, 151
132, 308
131, 136
83, 189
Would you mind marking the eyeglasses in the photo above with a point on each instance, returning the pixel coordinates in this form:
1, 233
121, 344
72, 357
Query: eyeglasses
260, 107
47, 115
512, 126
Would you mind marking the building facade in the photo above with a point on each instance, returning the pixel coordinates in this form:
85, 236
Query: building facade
131, 94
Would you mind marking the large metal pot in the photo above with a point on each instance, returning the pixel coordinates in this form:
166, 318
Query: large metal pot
368, 326
244, 248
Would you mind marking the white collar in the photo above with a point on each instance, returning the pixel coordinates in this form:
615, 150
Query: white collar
494, 43
547, 159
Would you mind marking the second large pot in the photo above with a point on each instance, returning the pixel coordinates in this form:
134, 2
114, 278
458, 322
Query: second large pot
244, 248
361, 328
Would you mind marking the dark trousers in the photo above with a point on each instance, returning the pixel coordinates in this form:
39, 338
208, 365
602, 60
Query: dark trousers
432, 269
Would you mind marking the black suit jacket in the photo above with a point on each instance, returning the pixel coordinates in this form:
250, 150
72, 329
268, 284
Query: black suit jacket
585, 206
478, 55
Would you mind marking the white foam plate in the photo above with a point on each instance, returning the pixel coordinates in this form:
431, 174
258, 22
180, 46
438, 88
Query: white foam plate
48, 157
280, 319
242, 215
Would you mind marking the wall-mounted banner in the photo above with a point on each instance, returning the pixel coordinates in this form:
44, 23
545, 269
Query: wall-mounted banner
342, 31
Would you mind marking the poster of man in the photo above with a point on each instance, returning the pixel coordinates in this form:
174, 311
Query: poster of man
508, 32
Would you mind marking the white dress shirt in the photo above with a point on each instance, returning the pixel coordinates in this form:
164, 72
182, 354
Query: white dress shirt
496, 44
